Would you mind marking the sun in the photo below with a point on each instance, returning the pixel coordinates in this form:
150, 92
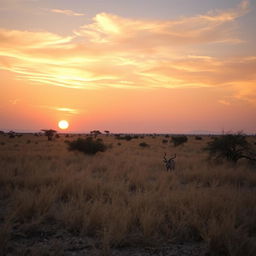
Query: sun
63, 124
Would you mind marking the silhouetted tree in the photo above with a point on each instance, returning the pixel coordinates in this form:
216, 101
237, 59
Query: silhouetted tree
107, 132
49, 133
231, 147
95, 133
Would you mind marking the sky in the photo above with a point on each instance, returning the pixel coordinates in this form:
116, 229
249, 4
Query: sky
137, 66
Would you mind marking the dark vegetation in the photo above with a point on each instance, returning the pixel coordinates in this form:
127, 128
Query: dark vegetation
179, 140
124, 137
49, 134
95, 133
144, 145
231, 147
88, 145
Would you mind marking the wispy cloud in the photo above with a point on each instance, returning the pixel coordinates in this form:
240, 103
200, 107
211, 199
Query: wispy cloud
67, 12
224, 102
119, 52
72, 111
14, 101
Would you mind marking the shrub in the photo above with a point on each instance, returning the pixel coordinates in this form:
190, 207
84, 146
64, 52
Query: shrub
179, 140
88, 145
198, 138
143, 145
126, 137
231, 147
164, 141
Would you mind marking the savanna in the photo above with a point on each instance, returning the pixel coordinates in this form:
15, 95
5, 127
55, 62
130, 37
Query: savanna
123, 201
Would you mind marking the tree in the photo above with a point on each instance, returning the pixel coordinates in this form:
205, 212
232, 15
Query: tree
49, 133
95, 133
107, 132
231, 147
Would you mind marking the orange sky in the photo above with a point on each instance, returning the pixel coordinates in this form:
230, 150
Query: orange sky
130, 74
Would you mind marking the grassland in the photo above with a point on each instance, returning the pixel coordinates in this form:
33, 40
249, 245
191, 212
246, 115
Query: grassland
122, 201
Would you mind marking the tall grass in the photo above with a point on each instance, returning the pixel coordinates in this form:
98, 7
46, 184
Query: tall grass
124, 197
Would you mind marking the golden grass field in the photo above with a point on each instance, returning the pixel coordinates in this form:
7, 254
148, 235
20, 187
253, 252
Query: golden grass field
59, 202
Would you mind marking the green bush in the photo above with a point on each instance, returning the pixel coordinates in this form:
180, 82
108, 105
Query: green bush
88, 145
179, 140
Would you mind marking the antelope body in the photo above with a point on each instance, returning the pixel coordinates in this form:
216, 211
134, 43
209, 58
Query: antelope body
169, 163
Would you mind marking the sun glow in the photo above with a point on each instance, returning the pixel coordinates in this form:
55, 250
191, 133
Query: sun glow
63, 124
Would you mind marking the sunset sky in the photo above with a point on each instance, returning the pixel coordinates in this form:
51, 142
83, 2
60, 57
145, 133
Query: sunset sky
139, 66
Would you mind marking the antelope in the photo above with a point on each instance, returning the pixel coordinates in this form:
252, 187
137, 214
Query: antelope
170, 163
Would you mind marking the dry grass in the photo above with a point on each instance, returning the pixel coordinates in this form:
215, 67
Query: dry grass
124, 196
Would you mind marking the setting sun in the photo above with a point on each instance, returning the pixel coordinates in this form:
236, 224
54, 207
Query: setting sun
63, 124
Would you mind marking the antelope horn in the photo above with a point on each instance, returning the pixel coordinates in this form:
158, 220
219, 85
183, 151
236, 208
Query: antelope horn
174, 156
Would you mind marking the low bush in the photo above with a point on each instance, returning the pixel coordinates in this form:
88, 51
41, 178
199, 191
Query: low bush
179, 140
88, 145
143, 145
126, 137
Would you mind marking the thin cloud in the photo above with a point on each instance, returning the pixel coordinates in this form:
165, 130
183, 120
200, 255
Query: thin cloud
224, 102
67, 12
72, 111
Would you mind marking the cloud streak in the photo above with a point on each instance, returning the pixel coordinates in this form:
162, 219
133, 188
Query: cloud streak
118, 52
67, 12
62, 109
